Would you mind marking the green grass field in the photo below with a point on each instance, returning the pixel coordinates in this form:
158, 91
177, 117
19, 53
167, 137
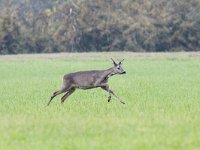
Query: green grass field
162, 110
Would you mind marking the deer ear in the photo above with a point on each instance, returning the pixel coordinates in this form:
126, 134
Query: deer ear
121, 62
115, 64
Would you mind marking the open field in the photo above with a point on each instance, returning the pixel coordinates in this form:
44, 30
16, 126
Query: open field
162, 110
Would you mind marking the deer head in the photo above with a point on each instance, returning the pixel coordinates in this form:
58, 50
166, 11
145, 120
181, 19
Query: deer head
117, 69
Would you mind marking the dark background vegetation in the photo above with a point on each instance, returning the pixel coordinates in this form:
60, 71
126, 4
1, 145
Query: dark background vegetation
45, 26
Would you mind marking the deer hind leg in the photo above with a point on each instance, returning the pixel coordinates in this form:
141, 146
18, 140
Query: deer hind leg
62, 90
106, 88
69, 92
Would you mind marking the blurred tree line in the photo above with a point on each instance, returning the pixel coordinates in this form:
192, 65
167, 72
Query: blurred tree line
44, 26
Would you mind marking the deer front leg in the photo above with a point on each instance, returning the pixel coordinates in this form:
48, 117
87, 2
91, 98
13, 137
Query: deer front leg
106, 88
116, 96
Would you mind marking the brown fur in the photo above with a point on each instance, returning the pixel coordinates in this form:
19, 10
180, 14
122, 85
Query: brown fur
88, 80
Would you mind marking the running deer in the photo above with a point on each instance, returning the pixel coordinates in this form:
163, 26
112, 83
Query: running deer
88, 80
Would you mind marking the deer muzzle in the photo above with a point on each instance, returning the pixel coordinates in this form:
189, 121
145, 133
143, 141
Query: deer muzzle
124, 72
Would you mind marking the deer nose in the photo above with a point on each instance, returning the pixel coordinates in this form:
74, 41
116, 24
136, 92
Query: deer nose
124, 72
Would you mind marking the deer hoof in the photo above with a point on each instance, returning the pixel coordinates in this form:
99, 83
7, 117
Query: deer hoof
109, 98
122, 102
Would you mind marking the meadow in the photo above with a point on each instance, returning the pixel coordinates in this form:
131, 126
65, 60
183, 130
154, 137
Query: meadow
161, 91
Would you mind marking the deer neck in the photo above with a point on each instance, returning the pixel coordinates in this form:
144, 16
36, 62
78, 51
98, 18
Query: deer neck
108, 73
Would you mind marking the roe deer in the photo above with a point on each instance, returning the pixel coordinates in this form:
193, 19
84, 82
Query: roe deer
88, 80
